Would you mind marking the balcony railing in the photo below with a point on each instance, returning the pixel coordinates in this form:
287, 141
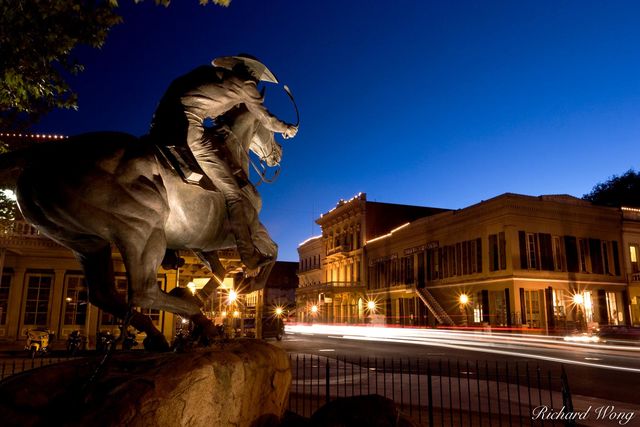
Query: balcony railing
19, 228
339, 249
20, 234
328, 286
635, 277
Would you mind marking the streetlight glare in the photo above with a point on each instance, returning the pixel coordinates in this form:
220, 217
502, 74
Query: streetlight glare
371, 305
464, 299
279, 311
233, 295
314, 309
192, 287
578, 299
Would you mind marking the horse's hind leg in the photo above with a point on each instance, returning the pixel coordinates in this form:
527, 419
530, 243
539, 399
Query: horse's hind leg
98, 269
142, 258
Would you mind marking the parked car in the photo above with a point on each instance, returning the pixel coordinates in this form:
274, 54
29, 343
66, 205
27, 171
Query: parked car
272, 327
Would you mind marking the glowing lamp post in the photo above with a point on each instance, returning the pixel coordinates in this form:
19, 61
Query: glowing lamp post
192, 287
233, 296
463, 299
578, 301
371, 306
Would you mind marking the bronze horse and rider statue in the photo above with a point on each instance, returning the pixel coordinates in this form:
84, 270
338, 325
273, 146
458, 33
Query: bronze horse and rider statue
184, 186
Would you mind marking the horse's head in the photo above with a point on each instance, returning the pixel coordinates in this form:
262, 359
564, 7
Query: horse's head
265, 146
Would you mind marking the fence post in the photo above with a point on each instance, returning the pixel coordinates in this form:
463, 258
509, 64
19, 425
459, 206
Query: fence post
326, 380
430, 393
566, 396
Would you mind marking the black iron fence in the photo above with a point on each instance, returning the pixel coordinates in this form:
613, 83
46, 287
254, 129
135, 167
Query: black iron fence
435, 392
12, 366
432, 392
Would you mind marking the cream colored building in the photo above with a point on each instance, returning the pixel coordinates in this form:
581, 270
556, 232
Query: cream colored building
43, 286
548, 263
333, 289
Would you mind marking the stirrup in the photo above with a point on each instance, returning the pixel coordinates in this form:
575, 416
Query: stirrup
186, 166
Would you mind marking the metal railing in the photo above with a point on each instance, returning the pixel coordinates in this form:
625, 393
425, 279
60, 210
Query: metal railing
434, 307
9, 367
432, 392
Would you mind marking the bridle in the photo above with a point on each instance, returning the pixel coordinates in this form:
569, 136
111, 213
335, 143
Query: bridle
262, 166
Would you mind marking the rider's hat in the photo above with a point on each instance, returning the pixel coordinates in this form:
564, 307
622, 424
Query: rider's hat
255, 67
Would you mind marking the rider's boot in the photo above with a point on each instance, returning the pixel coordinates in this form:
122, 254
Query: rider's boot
250, 255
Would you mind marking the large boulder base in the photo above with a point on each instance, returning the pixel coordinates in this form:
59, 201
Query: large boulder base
242, 383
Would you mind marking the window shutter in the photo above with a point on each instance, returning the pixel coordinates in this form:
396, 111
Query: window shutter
479, 255
502, 250
485, 306
616, 257
602, 307
571, 249
551, 320
523, 250
546, 252
523, 305
595, 250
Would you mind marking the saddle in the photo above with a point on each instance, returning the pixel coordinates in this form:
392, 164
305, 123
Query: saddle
182, 160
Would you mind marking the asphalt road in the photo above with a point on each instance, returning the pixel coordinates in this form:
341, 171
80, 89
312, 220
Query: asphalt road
600, 370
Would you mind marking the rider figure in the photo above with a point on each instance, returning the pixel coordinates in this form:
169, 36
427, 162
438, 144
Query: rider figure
208, 92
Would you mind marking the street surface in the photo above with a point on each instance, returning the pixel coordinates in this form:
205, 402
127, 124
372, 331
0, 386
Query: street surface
605, 371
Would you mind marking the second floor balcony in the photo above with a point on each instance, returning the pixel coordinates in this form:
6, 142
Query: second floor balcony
340, 249
331, 287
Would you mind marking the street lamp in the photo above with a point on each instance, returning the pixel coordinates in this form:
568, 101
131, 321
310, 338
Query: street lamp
464, 301
192, 287
233, 296
578, 301
371, 306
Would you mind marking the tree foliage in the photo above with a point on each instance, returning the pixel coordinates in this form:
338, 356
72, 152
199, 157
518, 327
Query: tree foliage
37, 40
623, 190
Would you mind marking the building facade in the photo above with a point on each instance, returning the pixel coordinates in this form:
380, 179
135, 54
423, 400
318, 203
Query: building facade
333, 288
548, 263
42, 286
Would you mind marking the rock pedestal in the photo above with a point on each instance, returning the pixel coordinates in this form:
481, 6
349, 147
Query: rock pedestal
243, 383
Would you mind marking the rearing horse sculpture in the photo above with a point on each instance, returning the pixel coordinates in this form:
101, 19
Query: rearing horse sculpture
97, 189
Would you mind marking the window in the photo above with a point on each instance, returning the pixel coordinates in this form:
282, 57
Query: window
38, 295
5, 286
634, 254
558, 254
532, 308
614, 302
497, 252
558, 304
121, 288
532, 251
75, 303
407, 269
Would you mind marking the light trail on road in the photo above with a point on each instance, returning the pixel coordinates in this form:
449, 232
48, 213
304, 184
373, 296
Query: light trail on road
496, 343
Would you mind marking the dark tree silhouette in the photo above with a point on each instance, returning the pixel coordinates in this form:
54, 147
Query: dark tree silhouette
623, 190
37, 45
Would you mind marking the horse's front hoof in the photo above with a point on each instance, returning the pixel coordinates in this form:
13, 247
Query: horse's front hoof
156, 343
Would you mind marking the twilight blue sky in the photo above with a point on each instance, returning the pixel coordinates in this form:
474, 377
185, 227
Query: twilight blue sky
416, 102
